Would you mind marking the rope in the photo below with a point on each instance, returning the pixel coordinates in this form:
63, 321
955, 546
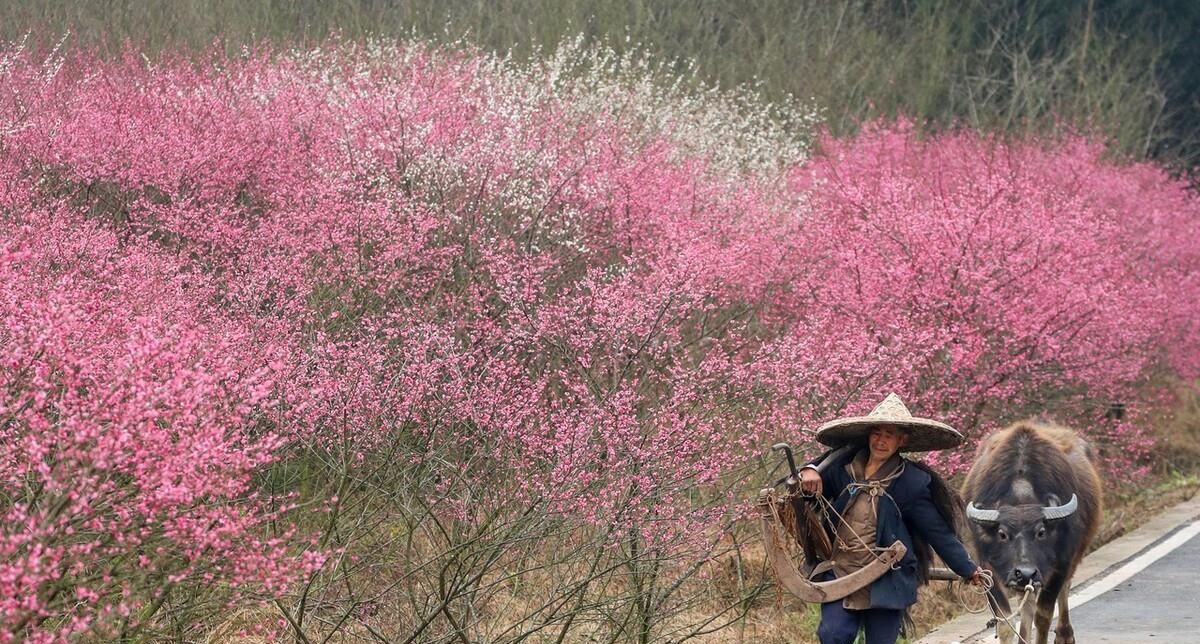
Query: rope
1025, 598
774, 536
985, 590
982, 589
826, 508
877, 488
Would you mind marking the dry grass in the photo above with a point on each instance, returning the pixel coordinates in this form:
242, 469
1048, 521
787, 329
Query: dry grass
1128, 510
1178, 432
239, 626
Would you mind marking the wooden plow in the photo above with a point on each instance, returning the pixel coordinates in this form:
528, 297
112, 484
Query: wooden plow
791, 520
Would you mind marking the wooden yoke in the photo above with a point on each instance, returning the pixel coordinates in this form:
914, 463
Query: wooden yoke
799, 585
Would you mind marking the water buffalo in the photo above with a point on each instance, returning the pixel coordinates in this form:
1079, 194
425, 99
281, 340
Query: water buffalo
1034, 506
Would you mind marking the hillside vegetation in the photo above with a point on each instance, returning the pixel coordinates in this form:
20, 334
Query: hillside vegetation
1125, 67
391, 340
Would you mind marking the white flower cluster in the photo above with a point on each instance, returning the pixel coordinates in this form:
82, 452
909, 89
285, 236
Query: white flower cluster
735, 128
736, 135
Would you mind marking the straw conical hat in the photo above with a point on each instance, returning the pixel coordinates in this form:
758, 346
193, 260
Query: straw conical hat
924, 434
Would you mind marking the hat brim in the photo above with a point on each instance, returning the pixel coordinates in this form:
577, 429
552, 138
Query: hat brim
925, 435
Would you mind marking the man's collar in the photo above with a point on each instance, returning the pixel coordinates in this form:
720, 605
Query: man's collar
857, 466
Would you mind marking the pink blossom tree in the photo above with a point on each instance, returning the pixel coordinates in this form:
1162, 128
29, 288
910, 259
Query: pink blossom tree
994, 279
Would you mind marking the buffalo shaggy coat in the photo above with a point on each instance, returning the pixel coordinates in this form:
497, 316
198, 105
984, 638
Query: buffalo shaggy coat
1034, 506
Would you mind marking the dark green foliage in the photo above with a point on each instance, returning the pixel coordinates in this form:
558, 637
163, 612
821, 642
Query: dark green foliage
1126, 68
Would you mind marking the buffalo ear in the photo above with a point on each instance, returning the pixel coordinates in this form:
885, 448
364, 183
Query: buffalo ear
1052, 500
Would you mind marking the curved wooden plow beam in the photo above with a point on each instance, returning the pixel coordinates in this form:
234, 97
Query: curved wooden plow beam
816, 591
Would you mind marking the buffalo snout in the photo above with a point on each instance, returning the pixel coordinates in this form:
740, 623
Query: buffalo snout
1022, 576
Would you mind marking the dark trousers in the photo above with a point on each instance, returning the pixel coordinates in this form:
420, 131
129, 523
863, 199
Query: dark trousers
840, 626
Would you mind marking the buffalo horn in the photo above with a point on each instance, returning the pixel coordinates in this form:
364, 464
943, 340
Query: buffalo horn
1053, 512
982, 516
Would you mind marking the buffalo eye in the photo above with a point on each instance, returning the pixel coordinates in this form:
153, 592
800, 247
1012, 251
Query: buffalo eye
1001, 534
1041, 532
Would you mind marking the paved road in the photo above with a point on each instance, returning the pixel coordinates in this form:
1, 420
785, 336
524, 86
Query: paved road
1159, 604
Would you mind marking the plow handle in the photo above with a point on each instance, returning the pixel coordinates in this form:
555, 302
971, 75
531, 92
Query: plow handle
835, 456
793, 477
793, 473
943, 574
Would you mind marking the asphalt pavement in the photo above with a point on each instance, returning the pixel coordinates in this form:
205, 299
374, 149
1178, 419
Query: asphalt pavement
1159, 604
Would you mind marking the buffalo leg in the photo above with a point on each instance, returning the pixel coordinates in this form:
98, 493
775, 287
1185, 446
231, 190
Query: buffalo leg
1045, 607
1003, 613
1045, 612
1065, 633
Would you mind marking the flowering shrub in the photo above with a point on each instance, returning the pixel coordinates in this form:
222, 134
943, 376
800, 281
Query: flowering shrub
128, 437
997, 279
465, 307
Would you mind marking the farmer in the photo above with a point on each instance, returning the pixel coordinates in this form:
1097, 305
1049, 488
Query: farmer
877, 497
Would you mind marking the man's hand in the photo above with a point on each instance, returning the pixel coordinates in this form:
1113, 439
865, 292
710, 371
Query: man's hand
978, 578
810, 481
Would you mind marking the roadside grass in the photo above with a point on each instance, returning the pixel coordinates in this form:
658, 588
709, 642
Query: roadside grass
1179, 432
1128, 509
1176, 476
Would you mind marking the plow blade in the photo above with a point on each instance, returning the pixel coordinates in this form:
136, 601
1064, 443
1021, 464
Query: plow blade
797, 583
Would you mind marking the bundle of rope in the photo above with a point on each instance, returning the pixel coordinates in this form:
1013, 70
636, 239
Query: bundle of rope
803, 520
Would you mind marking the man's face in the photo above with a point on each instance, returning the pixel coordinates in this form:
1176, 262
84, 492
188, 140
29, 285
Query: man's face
886, 440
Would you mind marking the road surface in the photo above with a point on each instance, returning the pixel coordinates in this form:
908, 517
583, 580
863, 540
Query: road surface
1160, 603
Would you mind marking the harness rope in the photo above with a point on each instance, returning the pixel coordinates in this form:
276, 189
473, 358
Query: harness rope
990, 602
875, 488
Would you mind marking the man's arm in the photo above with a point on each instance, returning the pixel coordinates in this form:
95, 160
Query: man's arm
923, 518
822, 481
812, 481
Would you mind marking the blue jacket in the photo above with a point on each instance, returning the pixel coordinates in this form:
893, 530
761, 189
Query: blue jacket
907, 508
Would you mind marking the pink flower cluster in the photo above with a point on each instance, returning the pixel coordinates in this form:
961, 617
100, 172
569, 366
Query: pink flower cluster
210, 267
131, 429
994, 279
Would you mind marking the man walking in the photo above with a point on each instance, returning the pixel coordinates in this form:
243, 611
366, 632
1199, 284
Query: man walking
878, 497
